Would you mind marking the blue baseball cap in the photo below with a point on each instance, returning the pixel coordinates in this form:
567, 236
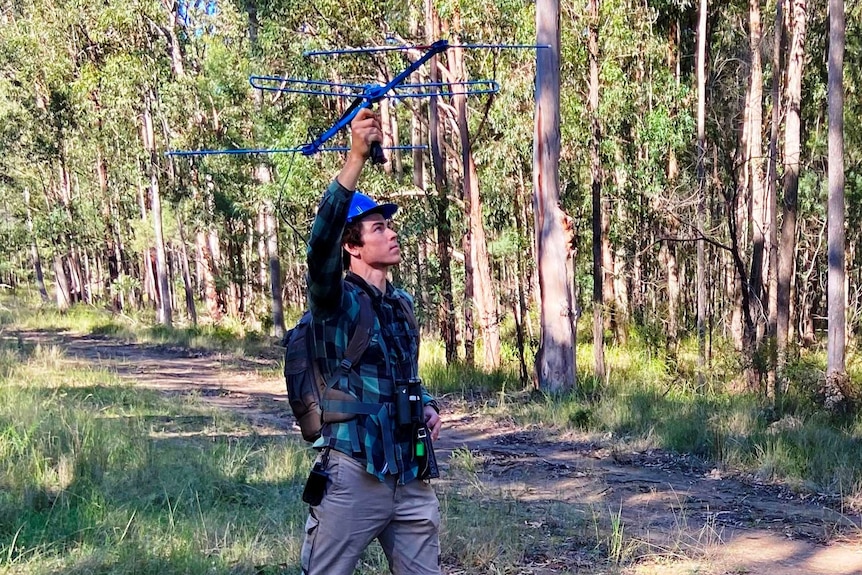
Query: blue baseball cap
362, 205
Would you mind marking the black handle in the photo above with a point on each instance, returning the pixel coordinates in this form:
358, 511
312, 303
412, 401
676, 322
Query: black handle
377, 157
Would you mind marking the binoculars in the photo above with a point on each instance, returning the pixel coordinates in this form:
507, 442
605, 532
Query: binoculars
408, 403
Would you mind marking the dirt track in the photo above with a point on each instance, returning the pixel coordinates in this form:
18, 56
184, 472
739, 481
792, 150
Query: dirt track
735, 526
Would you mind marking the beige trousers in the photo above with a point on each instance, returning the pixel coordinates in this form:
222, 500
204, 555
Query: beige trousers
357, 508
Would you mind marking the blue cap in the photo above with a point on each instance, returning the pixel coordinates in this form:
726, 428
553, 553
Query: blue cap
362, 205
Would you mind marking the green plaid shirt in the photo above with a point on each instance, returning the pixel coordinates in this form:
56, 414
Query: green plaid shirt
393, 352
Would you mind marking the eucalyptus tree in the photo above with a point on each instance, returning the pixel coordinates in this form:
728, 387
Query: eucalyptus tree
38, 71
701, 188
555, 362
600, 217
772, 199
797, 19
446, 315
836, 337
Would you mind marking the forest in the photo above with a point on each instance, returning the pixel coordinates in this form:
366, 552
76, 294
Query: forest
693, 208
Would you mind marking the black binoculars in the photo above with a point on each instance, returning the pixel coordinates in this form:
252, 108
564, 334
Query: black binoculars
408, 403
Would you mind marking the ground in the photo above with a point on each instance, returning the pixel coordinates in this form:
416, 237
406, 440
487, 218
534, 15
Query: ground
697, 519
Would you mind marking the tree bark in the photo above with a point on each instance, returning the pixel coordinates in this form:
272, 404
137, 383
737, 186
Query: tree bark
759, 221
446, 311
484, 296
521, 280
596, 191
61, 290
555, 362
34, 251
163, 293
209, 271
836, 340
772, 201
792, 150
701, 195
188, 287
147, 272
171, 32
274, 271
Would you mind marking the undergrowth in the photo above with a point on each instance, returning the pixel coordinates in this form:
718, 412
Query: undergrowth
97, 476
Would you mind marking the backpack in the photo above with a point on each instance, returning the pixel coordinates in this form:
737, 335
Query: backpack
310, 392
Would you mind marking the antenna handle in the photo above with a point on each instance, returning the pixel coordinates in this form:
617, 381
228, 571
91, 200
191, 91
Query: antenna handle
377, 157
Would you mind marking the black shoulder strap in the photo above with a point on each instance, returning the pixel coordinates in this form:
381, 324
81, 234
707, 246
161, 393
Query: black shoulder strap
362, 334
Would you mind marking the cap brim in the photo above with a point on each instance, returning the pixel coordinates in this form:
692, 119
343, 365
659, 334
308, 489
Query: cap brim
385, 210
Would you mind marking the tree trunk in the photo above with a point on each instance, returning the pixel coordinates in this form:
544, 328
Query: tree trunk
621, 305
61, 289
274, 271
148, 277
386, 126
163, 303
792, 150
701, 194
34, 250
209, 271
772, 389
521, 280
484, 295
759, 221
188, 286
596, 187
667, 256
447, 306
836, 340
555, 362
171, 32
416, 140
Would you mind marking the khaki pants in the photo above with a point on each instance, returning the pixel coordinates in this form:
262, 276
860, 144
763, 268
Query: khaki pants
357, 509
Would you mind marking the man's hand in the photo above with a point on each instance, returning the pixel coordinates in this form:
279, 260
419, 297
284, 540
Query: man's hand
433, 421
365, 129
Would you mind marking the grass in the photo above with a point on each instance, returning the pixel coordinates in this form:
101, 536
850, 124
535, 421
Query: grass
643, 404
230, 337
97, 476
100, 477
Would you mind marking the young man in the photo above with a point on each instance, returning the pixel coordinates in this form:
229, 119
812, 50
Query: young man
374, 489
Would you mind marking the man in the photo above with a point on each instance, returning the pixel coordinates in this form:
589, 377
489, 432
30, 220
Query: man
373, 489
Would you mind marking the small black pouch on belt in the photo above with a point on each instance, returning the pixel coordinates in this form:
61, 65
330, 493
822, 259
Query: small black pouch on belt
425, 457
315, 485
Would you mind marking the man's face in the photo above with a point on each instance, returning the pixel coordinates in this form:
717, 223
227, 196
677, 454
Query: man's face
379, 242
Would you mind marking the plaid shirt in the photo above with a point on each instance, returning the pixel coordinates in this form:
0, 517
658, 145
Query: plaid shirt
393, 352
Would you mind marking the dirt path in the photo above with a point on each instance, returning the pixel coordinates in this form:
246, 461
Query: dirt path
695, 519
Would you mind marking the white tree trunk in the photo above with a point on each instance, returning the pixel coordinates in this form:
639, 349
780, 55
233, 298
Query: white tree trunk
555, 362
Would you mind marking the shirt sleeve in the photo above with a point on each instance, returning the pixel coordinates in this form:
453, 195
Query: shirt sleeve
324, 250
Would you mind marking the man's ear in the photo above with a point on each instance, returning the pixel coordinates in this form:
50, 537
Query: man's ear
352, 250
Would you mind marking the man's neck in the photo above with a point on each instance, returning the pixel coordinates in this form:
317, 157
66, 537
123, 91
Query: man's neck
376, 277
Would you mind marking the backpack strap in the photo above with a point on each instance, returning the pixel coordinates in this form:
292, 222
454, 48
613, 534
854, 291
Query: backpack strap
362, 334
356, 346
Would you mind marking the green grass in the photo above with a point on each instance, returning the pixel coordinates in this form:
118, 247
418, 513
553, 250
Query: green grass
651, 401
97, 476
230, 337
